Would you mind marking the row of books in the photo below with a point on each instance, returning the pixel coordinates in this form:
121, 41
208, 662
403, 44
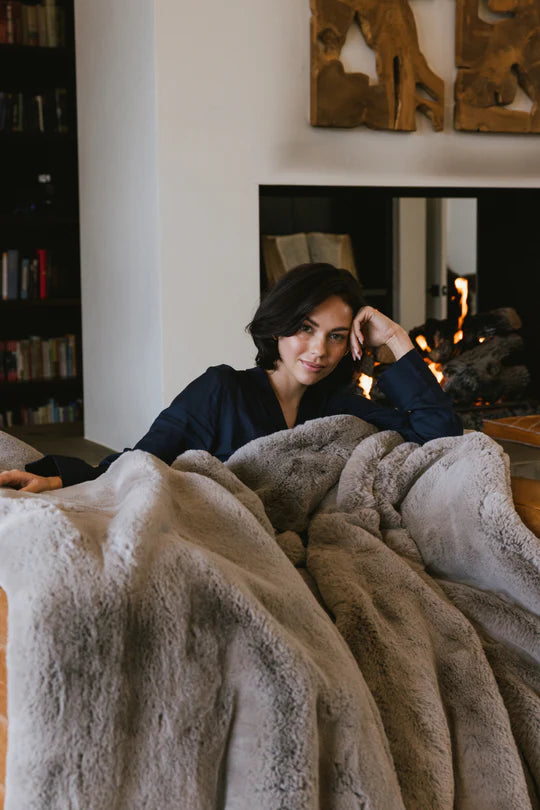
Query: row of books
35, 112
32, 23
38, 358
26, 276
51, 412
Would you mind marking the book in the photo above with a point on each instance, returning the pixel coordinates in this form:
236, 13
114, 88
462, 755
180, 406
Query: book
41, 25
30, 30
25, 278
10, 360
62, 357
4, 276
12, 275
72, 354
51, 23
62, 111
33, 281
42, 262
282, 253
46, 359
10, 23
25, 367
36, 361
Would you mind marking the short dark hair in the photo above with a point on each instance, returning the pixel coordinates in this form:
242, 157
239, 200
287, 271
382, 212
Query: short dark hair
287, 304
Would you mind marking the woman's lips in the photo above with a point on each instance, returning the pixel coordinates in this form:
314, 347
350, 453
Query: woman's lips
311, 366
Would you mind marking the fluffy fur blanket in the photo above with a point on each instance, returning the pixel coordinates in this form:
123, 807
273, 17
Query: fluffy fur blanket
334, 619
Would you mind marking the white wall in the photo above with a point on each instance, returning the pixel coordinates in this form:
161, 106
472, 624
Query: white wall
232, 95
121, 287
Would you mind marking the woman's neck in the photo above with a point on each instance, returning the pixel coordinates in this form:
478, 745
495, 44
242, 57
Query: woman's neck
289, 392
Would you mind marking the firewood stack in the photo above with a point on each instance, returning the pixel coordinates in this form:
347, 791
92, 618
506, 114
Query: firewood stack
478, 360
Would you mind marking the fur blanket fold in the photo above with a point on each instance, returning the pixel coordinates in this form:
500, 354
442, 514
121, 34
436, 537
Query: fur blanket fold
166, 649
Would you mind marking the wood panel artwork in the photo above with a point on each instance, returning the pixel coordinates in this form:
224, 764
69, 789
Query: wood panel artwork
493, 60
405, 82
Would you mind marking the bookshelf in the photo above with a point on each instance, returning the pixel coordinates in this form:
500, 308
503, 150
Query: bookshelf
40, 304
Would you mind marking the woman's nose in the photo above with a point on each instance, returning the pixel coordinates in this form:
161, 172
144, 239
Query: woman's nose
317, 345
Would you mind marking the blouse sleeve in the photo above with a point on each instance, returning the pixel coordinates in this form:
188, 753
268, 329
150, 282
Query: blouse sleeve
189, 423
422, 411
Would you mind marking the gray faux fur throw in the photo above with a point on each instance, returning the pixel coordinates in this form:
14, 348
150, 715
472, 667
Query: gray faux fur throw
334, 619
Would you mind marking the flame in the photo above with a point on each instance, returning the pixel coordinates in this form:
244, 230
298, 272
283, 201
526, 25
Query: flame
462, 286
422, 342
365, 382
481, 340
436, 369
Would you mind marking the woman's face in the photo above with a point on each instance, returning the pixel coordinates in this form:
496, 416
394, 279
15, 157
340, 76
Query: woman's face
315, 350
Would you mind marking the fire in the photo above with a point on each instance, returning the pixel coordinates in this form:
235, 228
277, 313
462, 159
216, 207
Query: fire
462, 286
436, 369
422, 342
365, 382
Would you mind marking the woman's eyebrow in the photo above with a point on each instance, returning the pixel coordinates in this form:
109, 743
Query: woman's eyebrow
337, 328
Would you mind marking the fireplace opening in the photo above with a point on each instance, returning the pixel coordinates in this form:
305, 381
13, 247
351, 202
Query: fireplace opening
482, 342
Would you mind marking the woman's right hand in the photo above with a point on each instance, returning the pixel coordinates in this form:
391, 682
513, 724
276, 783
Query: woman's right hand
28, 482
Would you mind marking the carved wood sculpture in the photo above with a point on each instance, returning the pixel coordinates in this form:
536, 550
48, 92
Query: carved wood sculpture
406, 83
493, 59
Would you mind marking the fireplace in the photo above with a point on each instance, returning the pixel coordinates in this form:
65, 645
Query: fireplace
506, 280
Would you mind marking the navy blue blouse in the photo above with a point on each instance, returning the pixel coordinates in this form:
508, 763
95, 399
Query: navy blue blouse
224, 409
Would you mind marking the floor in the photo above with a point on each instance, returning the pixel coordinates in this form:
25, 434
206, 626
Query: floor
524, 460
47, 440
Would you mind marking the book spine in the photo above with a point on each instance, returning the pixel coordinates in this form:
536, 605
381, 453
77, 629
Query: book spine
41, 25
72, 354
12, 274
42, 259
46, 359
3, 24
33, 286
4, 276
10, 24
25, 278
25, 352
55, 371
62, 357
51, 23
32, 25
10, 362
61, 110
19, 359
36, 368
39, 113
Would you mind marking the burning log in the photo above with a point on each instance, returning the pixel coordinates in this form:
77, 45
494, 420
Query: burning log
440, 335
472, 357
480, 373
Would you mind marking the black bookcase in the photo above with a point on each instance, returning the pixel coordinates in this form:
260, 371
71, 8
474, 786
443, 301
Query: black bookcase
39, 211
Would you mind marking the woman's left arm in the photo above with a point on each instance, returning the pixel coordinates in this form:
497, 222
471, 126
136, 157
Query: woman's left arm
422, 411
371, 328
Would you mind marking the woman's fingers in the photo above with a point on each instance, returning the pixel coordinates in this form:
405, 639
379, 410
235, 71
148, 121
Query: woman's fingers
356, 341
28, 482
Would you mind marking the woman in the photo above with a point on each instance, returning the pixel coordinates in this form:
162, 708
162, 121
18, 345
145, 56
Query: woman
306, 330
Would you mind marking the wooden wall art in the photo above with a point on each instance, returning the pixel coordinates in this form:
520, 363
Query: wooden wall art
406, 83
493, 59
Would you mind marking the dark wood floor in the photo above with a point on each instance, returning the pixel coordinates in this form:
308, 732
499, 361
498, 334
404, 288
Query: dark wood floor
64, 440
